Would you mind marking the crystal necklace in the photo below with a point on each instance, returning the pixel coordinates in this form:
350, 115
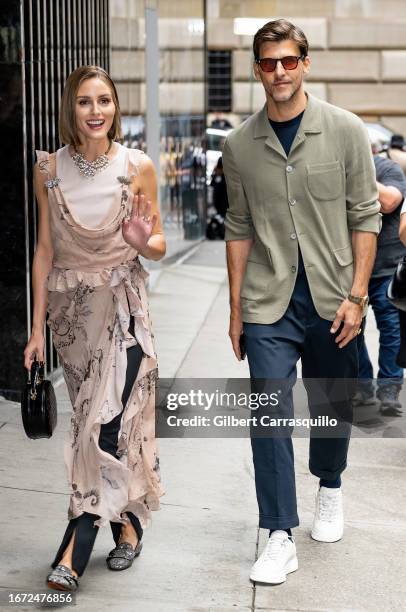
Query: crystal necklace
90, 168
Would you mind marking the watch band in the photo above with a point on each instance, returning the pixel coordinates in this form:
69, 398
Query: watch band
359, 300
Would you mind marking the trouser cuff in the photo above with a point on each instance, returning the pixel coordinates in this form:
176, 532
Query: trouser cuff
328, 475
278, 522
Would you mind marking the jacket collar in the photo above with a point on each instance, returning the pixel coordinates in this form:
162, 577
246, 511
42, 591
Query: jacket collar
310, 124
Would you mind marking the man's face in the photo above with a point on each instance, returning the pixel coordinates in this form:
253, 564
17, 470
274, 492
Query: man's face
281, 84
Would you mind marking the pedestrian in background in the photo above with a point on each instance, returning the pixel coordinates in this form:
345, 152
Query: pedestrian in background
396, 151
303, 205
215, 227
402, 224
391, 184
218, 182
98, 211
401, 290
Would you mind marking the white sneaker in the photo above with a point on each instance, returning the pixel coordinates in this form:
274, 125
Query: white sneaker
278, 559
328, 523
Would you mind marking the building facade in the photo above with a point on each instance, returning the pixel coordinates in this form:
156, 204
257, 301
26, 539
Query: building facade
41, 42
358, 53
204, 66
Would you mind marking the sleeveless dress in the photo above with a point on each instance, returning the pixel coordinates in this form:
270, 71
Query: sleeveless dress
95, 284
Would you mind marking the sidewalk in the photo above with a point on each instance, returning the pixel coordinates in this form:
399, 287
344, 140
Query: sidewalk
202, 543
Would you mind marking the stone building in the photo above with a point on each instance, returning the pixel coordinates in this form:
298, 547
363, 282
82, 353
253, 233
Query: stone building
358, 52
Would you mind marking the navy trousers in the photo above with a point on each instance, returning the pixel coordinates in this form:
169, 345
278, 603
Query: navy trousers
387, 321
273, 352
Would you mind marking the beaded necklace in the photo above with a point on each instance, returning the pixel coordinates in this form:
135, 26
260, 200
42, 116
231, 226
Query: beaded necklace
90, 168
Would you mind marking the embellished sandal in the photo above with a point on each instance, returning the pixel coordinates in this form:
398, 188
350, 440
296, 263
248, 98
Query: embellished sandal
123, 555
62, 579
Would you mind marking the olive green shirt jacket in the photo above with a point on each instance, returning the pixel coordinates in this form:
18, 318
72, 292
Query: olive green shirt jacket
314, 198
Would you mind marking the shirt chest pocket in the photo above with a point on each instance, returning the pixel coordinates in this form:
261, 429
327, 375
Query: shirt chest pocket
325, 181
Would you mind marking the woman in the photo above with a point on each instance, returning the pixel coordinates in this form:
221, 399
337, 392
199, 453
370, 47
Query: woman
93, 223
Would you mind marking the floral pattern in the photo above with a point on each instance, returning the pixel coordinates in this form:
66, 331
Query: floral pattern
89, 310
72, 318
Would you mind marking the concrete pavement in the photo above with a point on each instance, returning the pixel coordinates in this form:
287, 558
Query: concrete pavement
202, 543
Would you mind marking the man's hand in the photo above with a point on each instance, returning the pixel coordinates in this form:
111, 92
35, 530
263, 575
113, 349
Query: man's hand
351, 315
236, 331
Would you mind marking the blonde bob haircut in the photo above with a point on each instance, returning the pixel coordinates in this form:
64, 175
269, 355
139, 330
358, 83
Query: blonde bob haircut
68, 132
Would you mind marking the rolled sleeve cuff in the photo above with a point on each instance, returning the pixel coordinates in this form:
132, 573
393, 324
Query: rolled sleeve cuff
367, 224
238, 227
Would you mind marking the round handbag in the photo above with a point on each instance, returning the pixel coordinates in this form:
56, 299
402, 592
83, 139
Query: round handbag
396, 292
38, 404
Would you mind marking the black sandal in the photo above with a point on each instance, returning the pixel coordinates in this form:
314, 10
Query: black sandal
62, 579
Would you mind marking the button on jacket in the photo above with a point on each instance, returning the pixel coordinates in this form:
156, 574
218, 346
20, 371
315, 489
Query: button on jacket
311, 199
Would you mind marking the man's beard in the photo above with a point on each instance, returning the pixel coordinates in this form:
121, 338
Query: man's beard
293, 93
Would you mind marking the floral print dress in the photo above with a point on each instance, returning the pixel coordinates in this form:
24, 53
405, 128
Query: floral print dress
95, 284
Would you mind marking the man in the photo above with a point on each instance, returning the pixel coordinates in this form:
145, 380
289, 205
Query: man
303, 206
396, 151
391, 185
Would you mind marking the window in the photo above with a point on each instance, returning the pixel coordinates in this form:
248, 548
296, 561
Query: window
219, 81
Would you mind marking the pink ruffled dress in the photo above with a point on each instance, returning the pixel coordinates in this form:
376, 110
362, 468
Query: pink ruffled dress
95, 284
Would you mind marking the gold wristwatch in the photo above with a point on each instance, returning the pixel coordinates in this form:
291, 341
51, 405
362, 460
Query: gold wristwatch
359, 300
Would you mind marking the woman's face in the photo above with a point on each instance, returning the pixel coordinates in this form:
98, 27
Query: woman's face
95, 109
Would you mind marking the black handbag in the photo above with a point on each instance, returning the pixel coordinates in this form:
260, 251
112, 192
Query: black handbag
396, 295
396, 292
38, 404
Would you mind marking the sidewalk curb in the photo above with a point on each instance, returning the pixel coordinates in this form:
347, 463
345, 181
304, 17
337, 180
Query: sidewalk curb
174, 259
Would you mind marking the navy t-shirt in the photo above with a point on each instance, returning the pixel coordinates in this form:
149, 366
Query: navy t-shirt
286, 132
389, 249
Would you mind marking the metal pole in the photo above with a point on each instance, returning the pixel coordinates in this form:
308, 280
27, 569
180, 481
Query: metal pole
206, 107
152, 84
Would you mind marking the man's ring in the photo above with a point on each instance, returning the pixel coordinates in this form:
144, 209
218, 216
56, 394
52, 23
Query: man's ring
359, 331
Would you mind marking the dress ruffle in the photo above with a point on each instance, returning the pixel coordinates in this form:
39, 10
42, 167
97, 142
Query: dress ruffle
125, 282
62, 279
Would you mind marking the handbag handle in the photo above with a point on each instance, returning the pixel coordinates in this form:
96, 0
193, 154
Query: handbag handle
36, 377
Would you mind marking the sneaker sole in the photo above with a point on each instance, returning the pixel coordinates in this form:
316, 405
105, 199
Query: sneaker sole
291, 567
390, 411
369, 403
319, 538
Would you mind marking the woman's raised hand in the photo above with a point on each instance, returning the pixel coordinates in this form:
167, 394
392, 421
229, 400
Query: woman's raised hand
138, 229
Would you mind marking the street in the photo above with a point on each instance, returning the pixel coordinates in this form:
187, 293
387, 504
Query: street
201, 545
